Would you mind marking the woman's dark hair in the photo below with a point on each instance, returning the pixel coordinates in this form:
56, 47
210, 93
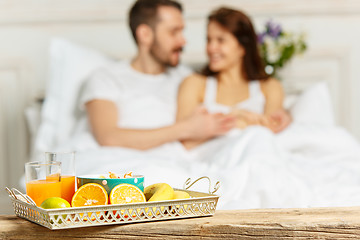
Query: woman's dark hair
238, 24
145, 12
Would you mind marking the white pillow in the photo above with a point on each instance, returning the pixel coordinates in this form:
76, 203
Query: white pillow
314, 106
70, 64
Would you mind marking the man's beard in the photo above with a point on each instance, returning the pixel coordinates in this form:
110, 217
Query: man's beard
162, 57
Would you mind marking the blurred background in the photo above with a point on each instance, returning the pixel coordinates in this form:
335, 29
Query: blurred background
332, 29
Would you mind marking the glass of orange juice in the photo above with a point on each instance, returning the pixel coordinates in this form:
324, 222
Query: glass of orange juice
68, 180
42, 180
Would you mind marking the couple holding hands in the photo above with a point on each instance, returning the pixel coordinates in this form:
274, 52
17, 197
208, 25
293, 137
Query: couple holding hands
132, 104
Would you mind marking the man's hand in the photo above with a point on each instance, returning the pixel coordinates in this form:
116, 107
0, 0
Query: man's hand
280, 119
203, 125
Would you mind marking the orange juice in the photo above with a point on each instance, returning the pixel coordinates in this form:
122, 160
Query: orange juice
67, 187
39, 190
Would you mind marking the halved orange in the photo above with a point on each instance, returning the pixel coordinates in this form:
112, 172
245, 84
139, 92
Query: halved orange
90, 194
126, 193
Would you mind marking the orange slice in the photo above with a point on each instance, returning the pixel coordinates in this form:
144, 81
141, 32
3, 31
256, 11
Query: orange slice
90, 194
128, 175
126, 193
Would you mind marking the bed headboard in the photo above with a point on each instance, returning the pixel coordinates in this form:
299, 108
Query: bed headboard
26, 27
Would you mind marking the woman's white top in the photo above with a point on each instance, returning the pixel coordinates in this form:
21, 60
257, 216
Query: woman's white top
255, 103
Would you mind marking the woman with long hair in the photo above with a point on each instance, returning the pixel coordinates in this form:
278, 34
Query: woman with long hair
234, 81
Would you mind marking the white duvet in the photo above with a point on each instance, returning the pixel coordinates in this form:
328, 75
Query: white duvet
311, 163
302, 167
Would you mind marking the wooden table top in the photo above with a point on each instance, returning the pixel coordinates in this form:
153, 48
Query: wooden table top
301, 223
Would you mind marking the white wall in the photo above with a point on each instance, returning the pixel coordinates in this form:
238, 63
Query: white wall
26, 26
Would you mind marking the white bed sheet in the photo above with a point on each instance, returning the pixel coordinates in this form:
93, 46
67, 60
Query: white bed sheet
305, 166
312, 163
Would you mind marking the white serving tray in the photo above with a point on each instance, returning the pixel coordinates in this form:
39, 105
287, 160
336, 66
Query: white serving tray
199, 204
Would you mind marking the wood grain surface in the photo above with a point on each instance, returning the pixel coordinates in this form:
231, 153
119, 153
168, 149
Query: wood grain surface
306, 223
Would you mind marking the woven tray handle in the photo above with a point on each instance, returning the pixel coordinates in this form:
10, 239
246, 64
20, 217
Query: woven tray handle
188, 184
25, 198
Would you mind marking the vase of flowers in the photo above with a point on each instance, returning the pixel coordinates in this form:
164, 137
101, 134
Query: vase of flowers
277, 47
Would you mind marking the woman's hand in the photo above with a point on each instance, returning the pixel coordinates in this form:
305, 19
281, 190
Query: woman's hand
279, 120
276, 121
246, 118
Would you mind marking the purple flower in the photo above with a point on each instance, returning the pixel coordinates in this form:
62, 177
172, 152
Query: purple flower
273, 29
